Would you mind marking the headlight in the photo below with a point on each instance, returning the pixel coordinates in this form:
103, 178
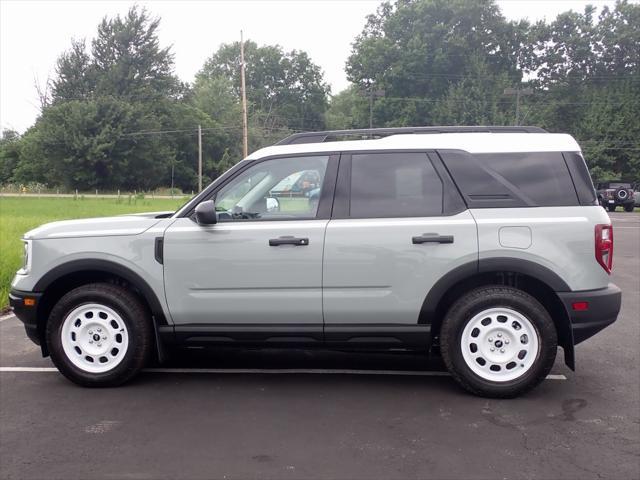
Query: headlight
26, 256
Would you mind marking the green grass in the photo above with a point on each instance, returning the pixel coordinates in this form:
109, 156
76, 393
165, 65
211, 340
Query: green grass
19, 215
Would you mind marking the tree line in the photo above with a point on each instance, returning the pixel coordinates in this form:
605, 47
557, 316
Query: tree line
115, 116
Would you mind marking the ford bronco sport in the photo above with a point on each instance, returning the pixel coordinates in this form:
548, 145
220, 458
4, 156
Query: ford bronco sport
485, 245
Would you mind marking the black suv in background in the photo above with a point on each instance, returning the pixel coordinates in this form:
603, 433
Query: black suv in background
614, 194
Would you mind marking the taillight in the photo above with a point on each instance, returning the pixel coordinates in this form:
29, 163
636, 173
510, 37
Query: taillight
604, 246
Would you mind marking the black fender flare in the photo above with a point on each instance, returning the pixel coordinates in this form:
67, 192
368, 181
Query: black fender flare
88, 265
488, 265
113, 268
428, 312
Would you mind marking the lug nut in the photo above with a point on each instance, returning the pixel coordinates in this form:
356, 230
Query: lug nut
99, 330
490, 339
506, 342
90, 332
498, 334
99, 344
90, 341
502, 350
104, 337
493, 349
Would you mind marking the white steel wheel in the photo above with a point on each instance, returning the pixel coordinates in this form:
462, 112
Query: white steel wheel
94, 338
500, 344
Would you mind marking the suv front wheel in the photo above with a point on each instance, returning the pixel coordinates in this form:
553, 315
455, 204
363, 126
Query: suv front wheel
498, 341
99, 335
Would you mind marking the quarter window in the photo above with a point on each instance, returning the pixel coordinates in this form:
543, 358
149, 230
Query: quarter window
394, 185
542, 177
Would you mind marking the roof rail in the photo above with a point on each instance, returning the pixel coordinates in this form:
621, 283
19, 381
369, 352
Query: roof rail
372, 133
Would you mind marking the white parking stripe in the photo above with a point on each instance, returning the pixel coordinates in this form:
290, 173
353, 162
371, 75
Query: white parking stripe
283, 371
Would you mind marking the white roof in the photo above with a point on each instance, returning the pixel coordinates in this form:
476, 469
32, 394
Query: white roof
470, 142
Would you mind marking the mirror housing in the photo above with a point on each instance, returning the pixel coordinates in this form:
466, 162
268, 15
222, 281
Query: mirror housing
206, 213
272, 204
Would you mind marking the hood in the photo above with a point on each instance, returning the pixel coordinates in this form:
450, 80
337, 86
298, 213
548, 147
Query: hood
165, 214
97, 227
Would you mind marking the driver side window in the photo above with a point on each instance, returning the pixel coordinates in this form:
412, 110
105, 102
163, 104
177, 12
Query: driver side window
281, 188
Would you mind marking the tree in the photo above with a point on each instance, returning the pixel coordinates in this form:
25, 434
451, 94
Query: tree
107, 105
88, 144
588, 80
284, 89
419, 49
9, 154
348, 109
473, 101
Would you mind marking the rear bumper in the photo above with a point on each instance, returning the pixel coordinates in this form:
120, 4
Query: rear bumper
26, 314
603, 307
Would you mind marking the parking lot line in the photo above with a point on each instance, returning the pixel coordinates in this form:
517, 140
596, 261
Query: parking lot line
280, 371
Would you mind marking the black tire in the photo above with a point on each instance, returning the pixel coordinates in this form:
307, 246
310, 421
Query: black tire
135, 316
478, 300
629, 207
611, 208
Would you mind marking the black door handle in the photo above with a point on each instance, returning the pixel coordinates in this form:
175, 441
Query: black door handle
274, 242
432, 238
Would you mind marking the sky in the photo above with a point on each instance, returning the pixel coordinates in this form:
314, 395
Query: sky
33, 33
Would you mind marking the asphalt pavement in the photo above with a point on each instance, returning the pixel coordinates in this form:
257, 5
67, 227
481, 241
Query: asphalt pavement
329, 415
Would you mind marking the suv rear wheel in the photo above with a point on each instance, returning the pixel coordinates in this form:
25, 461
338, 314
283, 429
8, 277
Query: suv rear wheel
498, 342
99, 335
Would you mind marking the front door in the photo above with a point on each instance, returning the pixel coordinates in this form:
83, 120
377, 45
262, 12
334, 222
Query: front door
262, 262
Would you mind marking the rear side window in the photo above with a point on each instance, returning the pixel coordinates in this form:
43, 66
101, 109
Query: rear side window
541, 177
394, 185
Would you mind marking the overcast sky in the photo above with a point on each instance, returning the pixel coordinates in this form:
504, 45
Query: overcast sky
34, 33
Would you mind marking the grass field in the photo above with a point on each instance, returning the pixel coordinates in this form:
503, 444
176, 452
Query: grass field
20, 214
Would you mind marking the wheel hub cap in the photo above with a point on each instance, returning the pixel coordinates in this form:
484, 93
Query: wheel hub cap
499, 344
94, 338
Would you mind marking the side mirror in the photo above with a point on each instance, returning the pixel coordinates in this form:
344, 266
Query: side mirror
272, 204
206, 213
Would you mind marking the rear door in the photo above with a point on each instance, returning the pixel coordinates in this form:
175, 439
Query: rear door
398, 226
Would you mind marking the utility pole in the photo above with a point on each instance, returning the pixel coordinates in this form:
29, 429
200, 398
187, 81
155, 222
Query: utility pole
173, 165
518, 93
199, 158
245, 133
373, 94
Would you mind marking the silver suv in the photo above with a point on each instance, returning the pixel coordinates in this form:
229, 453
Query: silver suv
485, 245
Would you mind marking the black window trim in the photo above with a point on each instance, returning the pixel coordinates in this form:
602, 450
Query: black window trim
326, 195
452, 201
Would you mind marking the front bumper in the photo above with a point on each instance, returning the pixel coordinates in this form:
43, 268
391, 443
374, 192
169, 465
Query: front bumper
25, 306
602, 309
